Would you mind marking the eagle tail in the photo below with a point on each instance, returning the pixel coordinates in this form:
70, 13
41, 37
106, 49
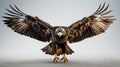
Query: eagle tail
49, 50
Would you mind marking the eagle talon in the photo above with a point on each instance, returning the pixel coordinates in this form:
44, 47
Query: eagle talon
56, 58
64, 58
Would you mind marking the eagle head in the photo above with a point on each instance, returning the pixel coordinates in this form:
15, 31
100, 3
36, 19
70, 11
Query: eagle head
60, 31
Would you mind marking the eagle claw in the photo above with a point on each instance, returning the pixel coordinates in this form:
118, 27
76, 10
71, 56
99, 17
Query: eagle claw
56, 58
64, 58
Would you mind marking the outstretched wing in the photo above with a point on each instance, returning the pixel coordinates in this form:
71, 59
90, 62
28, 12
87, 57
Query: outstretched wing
90, 26
27, 25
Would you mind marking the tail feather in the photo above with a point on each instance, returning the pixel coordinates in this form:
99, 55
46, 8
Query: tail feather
49, 50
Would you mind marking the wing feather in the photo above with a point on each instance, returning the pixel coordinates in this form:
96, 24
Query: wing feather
91, 26
27, 25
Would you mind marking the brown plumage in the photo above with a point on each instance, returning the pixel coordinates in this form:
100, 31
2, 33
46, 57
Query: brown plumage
58, 36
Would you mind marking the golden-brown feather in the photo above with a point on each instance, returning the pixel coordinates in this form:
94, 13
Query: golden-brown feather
27, 25
90, 26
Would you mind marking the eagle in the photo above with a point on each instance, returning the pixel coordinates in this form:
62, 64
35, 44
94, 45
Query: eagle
58, 36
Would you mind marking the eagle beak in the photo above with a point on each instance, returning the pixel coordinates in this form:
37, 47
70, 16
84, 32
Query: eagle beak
60, 34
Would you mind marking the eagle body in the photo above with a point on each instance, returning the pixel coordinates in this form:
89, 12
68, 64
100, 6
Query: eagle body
58, 36
59, 40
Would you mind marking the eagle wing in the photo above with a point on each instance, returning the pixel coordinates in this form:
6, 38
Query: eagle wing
27, 25
90, 26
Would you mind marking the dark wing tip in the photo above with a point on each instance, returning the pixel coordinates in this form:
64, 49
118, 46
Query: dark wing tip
101, 9
18, 9
6, 21
107, 12
14, 10
11, 11
3, 16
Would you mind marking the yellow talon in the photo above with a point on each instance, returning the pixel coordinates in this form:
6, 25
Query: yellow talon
55, 58
64, 58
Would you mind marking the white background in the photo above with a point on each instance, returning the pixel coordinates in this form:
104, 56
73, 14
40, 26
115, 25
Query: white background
21, 51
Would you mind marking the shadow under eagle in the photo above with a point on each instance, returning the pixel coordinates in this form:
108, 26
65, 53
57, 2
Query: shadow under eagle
58, 36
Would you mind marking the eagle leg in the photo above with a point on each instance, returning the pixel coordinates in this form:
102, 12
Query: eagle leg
64, 58
55, 58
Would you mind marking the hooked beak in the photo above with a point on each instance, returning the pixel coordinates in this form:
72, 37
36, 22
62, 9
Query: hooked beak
59, 34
